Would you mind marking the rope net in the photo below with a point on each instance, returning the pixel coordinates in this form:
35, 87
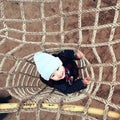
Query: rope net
28, 26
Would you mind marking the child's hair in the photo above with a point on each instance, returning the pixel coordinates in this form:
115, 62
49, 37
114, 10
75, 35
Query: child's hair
46, 64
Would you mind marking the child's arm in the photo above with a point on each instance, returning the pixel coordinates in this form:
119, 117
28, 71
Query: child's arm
70, 54
67, 89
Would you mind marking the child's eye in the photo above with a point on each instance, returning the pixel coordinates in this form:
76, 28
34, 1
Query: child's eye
57, 68
52, 75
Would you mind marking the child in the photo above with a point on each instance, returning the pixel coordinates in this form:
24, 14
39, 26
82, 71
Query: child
60, 70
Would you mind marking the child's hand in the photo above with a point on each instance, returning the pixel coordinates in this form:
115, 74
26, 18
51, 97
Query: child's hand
86, 81
79, 54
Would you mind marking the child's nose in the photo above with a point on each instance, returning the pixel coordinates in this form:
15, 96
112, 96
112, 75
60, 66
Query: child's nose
59, 74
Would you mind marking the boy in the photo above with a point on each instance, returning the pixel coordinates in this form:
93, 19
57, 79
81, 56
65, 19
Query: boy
60, 70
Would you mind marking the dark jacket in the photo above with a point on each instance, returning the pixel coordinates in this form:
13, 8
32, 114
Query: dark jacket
70, 83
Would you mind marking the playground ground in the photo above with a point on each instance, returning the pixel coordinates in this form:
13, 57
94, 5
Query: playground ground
32, 10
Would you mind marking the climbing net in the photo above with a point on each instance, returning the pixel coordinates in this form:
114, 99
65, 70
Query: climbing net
28, 26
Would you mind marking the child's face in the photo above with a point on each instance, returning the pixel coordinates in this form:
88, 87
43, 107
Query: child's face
58, 74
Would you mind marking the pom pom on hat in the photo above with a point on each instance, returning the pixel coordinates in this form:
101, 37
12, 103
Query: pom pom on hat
46, 64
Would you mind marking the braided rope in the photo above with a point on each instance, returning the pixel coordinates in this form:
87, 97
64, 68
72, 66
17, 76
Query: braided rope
22, 79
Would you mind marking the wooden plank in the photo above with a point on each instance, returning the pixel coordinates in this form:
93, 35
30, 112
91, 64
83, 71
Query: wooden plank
64, 107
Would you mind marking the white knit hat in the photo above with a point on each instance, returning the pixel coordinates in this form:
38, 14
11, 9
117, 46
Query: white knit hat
46, 64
